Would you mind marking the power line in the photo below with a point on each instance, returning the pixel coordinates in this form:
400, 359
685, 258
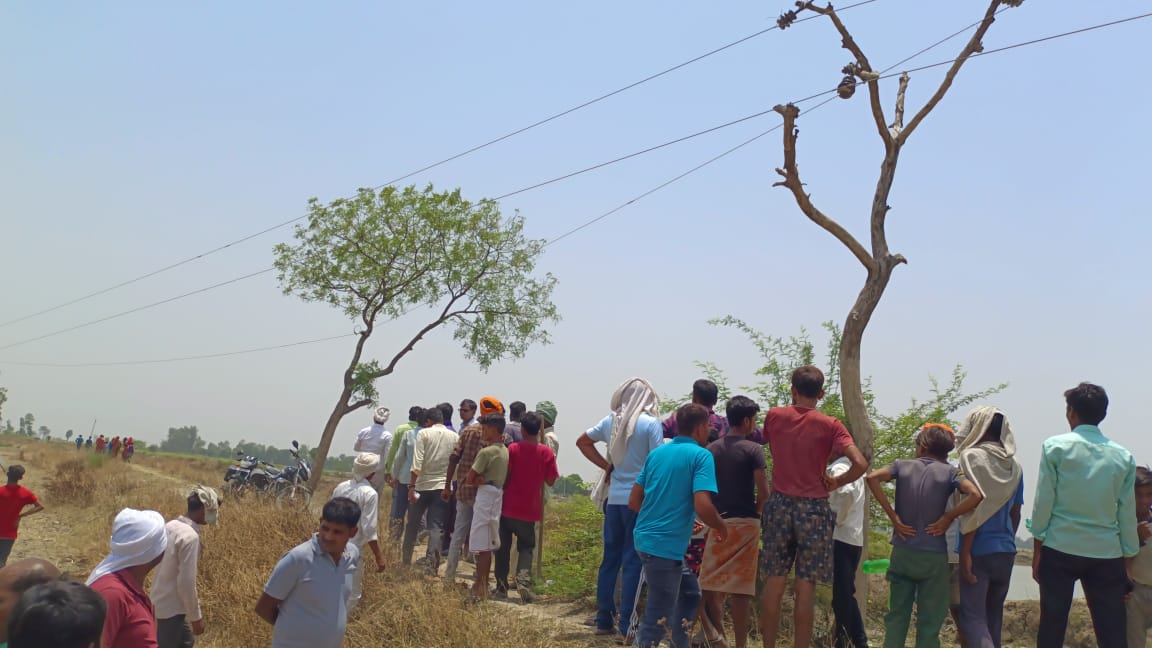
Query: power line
428, 167
137, 309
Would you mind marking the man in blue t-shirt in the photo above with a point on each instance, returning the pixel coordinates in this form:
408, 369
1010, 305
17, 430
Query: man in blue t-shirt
667, 504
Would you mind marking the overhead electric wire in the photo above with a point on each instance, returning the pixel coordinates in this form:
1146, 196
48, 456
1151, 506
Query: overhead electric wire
606, 214
429, 167
180, 358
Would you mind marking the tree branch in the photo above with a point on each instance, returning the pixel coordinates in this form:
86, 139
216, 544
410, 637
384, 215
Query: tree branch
792, 181
974, 45
352, 407
863, 69
898, 123
445, 314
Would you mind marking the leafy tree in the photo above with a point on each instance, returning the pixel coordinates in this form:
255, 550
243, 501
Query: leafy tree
4, 399
8, 429
26, 423
45, 433
183, 440
571, 485
68, 435
380, 255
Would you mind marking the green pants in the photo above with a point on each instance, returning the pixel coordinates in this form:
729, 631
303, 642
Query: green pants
919, 577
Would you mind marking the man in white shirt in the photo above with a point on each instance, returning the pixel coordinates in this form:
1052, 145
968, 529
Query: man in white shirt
434, 445
848, 542
376, 439
174, 596
359, 489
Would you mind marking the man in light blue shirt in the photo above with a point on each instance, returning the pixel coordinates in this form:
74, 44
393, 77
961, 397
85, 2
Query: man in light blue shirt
403, 454
675, 486
630, 432
306, 598
1084, 523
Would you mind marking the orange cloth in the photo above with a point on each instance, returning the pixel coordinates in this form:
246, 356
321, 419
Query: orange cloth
489, 405
730, 566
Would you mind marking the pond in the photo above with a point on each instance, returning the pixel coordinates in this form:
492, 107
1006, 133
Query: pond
1023, 588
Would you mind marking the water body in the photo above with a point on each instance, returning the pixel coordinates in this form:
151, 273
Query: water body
1023, 588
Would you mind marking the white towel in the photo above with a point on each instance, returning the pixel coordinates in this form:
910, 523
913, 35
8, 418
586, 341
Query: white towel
990, 465
138, 538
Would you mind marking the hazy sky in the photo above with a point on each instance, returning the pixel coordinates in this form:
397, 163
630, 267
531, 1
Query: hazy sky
136, 134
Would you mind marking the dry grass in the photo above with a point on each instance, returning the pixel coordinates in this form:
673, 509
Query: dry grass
400, 608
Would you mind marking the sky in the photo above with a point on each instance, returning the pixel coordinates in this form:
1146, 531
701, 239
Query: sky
133, 135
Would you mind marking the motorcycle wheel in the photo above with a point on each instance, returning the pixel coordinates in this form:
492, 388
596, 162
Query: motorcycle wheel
297, 497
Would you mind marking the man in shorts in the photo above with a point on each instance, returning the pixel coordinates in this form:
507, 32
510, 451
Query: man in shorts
798, 523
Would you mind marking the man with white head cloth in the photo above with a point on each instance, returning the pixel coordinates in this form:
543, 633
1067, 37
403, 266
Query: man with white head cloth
138, 543
359, 489
630, 432
376, 439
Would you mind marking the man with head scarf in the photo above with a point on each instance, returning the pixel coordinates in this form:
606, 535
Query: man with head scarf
178, 617
547, 412
139, 540
630, 431
376, 439
359, 489
988, 543
461, 495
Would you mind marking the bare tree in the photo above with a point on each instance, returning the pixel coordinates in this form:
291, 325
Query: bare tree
878, 260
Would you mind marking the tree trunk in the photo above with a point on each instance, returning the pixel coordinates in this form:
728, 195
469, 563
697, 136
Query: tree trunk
326, 438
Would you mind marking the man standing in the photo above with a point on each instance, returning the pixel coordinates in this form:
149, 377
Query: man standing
17, 578
547, 412
704, 393
470, 443
729, 568
847, 503
399, 464
434, 445
531, 465
675, 486
467, 415
377, 440
359, 489
513, 430
14, 498
631, 431
59, 613
1084, 522
178, 617
306, 598
138, 543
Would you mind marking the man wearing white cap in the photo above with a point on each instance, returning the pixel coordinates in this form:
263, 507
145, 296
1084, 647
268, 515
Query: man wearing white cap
376, 439
178, 617
359, 489
138, 544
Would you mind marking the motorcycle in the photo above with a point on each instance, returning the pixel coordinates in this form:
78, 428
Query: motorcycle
290, 486
248, 474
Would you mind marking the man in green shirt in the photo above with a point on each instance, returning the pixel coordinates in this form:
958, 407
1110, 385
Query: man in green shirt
488, 473
1084, 523
397, 476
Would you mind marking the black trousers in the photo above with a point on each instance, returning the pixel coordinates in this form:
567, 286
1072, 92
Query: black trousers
174, 633
1105, 583
525, 534
849, 622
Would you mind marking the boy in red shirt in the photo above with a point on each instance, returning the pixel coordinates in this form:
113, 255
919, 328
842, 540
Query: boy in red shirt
797, 523
14, 498
531, 465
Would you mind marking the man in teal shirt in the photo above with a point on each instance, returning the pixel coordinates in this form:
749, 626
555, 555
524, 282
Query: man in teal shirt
1084, 523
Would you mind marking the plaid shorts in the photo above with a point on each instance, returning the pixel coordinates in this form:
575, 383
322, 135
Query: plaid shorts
797, 532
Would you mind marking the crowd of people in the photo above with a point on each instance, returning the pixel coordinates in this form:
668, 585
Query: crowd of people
695, 514
115, 447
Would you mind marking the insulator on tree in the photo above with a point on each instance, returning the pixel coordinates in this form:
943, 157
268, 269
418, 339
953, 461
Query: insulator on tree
847, 87
786, 19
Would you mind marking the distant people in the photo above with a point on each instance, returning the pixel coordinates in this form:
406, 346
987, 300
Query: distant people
434, 445
17, 578
1139, 603
377, 440
987, 546
79, 441
468, 446
531, 466
729, 568
630, 432
400, 465
918, 573
847, 502
100, 443
88, 443
14, 503
139, 540
676, 485
467, 414
306, 597
359, 489
798, 524
487, 474
114, 448
179, 619
446, 409
547, 412
704, 393
128, 450
60, 614
1084, 522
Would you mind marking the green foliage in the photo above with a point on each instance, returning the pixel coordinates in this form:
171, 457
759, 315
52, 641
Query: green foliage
572, 540
26, 425
68, 435
186, 441
183, 440
44, 432
571, 485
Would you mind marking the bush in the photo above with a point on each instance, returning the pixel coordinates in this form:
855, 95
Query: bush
572, 547
73, 482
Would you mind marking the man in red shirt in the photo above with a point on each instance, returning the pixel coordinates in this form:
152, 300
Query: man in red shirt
14, 498
797, 522
531, 465
138, 543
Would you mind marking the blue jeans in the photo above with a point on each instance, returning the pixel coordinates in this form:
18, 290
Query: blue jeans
673, 597
619, 521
